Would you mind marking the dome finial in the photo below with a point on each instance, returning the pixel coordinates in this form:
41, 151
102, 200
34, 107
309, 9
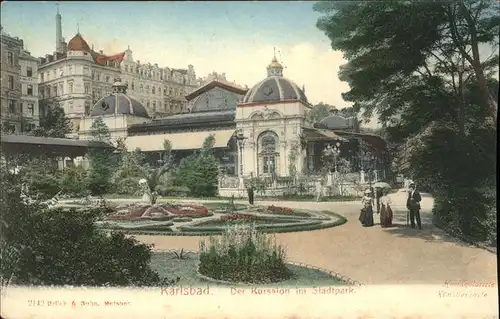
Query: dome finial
78, 28
274, 55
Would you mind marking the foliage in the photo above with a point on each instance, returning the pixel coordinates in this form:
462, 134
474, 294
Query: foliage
243, 255
199, 172
435, 93
292, 159
127, 175
385, 65
102, 161
41, 176
209, 142
73, 180
259, 185
320, 111
41, 246
54, 122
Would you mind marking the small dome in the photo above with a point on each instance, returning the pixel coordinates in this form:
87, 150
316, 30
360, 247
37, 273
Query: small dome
119, 103
77, 43
275, 87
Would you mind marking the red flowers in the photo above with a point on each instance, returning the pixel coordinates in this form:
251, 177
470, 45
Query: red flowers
279, 210
186, 210
235, 217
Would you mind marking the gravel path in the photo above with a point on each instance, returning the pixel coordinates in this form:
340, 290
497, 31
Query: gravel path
374, 255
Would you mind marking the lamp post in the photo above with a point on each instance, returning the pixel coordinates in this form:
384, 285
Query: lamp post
241, 139
335, 152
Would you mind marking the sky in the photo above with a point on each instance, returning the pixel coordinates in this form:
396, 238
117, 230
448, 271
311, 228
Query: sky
232, 37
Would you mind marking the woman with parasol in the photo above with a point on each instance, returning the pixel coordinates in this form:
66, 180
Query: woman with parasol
366, 216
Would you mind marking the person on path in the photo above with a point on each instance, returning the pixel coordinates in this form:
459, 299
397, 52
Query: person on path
250, 192
413, 205
366, 216
385, 210
318, 189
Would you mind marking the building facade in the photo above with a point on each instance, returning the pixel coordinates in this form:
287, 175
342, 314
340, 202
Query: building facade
260, 132
28, 79
77, 76
19, 87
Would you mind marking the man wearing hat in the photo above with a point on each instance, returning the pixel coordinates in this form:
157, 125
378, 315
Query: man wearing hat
413, 205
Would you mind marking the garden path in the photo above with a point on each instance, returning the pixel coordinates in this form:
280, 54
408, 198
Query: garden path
374, 255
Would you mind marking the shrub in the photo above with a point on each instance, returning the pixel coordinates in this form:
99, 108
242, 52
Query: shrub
199, 173
237, 217
73, 181
41, 246
243, 255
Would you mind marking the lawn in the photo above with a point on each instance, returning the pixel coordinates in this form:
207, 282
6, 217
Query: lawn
166, 265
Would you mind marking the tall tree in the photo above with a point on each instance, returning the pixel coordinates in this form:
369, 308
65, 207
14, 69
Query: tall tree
101, 160
320, 111
387, 67
53, 123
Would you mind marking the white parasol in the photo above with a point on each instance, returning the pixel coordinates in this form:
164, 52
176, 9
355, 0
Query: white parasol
382, 185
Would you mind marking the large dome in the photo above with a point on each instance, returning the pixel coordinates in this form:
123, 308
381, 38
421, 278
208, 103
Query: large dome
118, 103
275, 87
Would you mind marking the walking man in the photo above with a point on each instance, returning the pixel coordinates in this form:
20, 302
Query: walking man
250, 191
413, 205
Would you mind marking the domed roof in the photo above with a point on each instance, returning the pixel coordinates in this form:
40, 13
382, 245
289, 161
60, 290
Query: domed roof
118, 103
275, 87
77, 43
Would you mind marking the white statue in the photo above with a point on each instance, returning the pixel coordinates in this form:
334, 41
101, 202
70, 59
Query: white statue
146, 197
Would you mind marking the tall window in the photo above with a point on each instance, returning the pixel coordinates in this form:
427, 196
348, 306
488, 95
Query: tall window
41, 77
87, 88
154, 106
268, 152
29, 71
11, 82
85, 71
153, 90
12, 106
133, 86
30, 90
70, 87
10, 57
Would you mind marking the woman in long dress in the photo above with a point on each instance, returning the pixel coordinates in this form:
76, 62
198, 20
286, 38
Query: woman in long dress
385, 210
366, 216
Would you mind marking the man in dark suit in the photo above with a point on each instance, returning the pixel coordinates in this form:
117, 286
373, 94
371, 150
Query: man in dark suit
413, 205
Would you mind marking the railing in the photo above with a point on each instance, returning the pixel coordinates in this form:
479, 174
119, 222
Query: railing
349, 184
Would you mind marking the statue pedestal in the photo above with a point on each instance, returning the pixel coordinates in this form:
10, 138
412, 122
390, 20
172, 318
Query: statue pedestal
146, 198
362, 175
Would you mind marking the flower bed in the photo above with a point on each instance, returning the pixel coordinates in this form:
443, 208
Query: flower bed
243, 255
238, 217
279, 210
187, 210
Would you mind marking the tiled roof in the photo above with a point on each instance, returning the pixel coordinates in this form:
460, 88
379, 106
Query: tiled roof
77, 43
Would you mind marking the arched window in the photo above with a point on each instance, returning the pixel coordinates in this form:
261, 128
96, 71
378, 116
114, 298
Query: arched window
154, 90
133, 86
268, 153
142, 89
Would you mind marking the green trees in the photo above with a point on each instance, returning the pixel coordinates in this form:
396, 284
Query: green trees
199, 172
434, 92
54, 122
41, 246
102, 161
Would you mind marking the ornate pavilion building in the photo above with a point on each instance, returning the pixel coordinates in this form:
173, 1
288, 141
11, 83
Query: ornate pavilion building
260, 132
